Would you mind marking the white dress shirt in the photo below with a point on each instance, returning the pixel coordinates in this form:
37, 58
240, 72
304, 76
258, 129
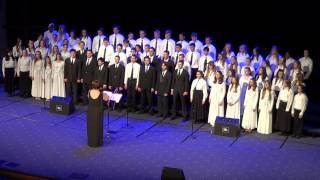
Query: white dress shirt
7, 64
186, 66
198, 45
194, 56
119, 37
185, 46
24, 64
277, 85
136, 70
199, 84
106, 53
202, 62
212, 51
143, 42
306, 66
132, 42
16, 52
285, 95
47, 36
175, 56
95, 43
123, 58
154, 43
87, 42
170, 43
300, 102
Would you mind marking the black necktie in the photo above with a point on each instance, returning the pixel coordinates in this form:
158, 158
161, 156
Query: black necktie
179, 72
99, 43
115, 42
191, 58
104, 53
205, 65
167, 45
142, 43
155, 47
177, 58
132, 71
88, 61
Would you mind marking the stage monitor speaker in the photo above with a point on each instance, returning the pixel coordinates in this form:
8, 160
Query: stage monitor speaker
61, 105
169, 173
227, 127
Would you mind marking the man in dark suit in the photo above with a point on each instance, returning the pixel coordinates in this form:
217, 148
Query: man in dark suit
134, 53
81, 55
163, 86
101, 73
154, 60
180, 89
72, 75
87, 75
167, 59
116, 77
147, 81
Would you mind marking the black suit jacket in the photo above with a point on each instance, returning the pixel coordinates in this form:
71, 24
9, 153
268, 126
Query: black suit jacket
102, 75
82, 57
72, 72
147, 80
170, 64
156, 63
88, 71
180, 83
164, 83
116, 75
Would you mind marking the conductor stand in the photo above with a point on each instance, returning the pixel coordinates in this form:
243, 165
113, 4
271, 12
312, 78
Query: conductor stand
115, 98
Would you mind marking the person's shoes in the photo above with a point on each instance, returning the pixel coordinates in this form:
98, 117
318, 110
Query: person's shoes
173, 117
159, 115
164, 117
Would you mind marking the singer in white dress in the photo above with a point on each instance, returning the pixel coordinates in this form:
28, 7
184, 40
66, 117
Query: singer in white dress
37, 76
265, 109
58, 86
216, 98
47, 79
233, 99
249, 120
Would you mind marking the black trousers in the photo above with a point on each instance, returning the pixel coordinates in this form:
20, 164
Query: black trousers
85, 90
25, 84
146, 99
72, 91
178, 96
163, 105
9, 80
297, 123
131, 92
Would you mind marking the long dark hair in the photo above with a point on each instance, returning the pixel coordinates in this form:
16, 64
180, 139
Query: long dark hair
254, 87
236, 85
7, 57
220, 80
266, 89
264, 74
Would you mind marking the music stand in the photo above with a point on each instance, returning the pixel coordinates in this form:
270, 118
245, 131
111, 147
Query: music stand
114, 97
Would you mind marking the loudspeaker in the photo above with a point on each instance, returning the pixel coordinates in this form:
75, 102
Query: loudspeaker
227, 127
169, 173
61, 105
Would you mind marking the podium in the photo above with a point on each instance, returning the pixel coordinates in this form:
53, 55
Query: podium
61, 105
227, 127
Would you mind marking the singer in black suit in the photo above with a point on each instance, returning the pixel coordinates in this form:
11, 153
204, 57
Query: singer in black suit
82, 56
116, 78
87, 75
163, 86
167, 59
101, 73
72, 70
147, 81
154, 60
179, 90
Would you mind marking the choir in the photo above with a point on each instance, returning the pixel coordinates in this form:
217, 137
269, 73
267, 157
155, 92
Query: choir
266, 94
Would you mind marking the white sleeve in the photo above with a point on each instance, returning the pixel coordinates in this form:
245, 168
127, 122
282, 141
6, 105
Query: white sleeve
125, 74
191, 90
310, 65
290, 100
204, 91
271, 101
3, 69
304, 107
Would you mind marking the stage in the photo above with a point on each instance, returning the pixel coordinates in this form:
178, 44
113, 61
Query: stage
34, 141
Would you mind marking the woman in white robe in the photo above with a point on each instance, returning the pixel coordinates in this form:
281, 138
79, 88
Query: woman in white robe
265, 109
216, 98
58, 86
47, 79
43, 49
244, 82
249, 120
233, 100
37, 76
